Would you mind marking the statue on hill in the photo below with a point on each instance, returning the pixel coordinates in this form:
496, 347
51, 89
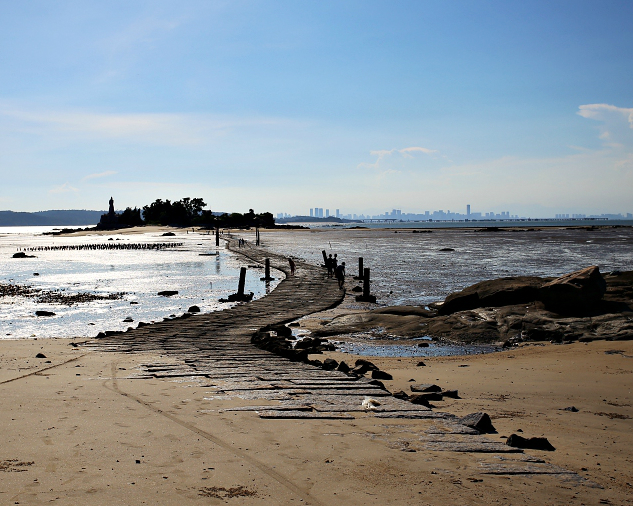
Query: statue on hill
109, 221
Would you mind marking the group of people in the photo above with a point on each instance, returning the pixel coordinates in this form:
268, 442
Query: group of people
336, 270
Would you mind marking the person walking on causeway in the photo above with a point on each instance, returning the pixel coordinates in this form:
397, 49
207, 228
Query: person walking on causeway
340, 275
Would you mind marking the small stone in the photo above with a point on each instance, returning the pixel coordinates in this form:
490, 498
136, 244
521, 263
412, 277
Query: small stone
329, 364
480, 421
193, 309
44, 313
40, 355
425, 387
381, 375
533, 443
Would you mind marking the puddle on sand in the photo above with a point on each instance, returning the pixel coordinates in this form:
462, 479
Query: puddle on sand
400, 350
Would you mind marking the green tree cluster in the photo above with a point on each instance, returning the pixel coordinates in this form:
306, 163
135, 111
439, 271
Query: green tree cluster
188, 212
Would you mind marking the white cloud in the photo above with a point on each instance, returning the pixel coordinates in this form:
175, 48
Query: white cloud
149, 128
64, 188
616, 130
385, 154
99, 175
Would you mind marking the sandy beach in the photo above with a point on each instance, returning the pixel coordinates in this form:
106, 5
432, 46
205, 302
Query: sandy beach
85, 424
82, 430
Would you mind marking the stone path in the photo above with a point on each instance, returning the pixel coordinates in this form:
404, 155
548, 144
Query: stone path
215, 351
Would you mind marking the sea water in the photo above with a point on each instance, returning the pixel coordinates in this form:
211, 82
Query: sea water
415, 268
139, 274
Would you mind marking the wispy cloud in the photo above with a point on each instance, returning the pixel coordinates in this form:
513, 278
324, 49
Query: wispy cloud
616, 130
384, 154
64, 188
149, 128
99, 175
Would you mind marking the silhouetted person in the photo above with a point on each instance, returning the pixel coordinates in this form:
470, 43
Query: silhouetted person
292, 266
340, 274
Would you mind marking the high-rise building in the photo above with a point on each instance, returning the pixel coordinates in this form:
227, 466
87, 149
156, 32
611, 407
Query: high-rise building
468, 210
327, 213
338, 213
311, 213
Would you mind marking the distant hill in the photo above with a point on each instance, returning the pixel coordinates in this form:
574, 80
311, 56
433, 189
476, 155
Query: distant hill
50, 218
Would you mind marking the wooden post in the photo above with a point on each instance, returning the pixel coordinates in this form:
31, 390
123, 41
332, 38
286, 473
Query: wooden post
256, 236
240, 286
366, 284
267, 269
217, 236
360, 267
324, 257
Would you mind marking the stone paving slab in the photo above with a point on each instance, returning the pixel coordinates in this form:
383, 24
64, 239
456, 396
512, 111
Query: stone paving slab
217, 346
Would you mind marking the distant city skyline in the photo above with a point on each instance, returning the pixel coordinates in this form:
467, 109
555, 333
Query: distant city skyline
440, 214
356, 105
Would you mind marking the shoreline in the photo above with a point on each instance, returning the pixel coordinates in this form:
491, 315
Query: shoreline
95, 421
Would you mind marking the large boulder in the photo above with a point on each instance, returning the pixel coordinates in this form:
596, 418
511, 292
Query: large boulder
575, 293
493, 293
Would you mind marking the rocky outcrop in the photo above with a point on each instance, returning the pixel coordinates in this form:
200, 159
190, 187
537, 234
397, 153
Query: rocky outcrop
575, 293
493, 293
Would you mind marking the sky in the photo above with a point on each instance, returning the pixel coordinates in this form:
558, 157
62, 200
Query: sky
281, 106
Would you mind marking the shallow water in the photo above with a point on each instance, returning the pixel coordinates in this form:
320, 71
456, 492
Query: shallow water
140, 274
400, 350
410, 268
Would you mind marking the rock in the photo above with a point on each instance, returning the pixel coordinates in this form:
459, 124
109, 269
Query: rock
294, 324
574, 293
36, 274
133, 302
21, 254
168, 293
128, 320
453, 394
425, 388
423, 345
193, 309
401, 395
480, 421
329, 364
533, 443
378, 384
493, 293
362, 366
44, 313
420, 364
168, 234
40, 355
280, 329
343, 367
419, 399
447, 249
357, 289
430, 396
381, 375
573, 409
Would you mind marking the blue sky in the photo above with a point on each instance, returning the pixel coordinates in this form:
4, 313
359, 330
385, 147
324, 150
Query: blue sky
281, 106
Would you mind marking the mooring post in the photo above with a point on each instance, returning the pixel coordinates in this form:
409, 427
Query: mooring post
267, 269
240, 286
324, 258
366, 283
217, 236
360, 267
257, 236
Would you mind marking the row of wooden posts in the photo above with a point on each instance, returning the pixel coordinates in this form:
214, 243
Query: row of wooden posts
363, 275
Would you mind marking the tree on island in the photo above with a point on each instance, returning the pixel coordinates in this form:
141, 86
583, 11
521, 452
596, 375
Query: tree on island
185, 212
